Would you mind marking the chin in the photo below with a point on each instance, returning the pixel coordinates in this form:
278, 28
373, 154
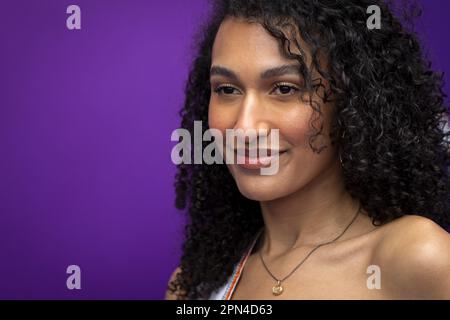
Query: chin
262, 188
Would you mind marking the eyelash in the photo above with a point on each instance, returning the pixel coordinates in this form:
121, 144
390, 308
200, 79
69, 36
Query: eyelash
219, 89
288, 85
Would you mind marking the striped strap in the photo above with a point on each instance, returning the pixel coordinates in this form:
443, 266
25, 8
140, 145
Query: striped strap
238, 270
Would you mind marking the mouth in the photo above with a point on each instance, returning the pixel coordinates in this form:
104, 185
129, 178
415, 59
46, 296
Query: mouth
257, 158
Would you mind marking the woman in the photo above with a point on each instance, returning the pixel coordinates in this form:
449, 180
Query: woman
360, 203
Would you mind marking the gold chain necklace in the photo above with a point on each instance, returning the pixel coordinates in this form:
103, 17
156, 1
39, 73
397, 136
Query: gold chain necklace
278, 289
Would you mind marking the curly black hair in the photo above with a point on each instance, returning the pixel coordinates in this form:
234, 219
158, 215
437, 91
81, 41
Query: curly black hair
388, 124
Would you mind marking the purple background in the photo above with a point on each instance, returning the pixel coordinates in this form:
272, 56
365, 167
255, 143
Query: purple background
85, 123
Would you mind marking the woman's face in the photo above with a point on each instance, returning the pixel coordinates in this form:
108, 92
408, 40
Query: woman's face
249, 90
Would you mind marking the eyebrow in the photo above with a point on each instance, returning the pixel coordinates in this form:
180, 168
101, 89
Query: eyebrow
281, 71
222, 71
269, 73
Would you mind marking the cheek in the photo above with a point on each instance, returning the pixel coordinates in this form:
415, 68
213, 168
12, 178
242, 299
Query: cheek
299, 124
294, 126
220, 119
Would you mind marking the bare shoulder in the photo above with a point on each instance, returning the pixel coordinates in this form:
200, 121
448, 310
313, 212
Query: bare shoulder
170, 295
414, 258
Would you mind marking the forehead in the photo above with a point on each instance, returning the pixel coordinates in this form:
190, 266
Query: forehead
238, 39
247, 43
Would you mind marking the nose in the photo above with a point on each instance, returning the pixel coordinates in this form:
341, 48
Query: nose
253, 116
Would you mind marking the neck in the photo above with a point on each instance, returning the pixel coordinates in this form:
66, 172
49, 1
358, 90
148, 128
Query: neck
316, 213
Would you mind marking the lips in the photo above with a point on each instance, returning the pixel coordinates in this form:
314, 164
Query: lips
256, 152
256, 158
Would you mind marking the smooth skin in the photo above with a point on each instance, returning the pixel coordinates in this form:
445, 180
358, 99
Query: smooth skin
305, 203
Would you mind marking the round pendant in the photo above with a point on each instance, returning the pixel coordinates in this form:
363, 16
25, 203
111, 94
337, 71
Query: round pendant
277, 289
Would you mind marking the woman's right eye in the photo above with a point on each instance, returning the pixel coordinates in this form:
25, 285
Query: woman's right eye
226, 90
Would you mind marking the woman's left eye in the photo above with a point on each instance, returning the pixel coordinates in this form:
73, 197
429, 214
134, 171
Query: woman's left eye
285, 89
